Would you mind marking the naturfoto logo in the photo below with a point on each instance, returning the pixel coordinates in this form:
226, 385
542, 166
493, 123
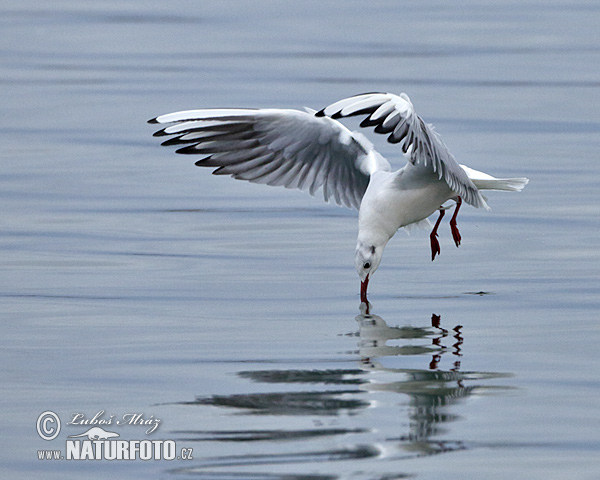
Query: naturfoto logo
98, 442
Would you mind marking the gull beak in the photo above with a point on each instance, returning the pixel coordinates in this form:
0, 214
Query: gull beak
363, 290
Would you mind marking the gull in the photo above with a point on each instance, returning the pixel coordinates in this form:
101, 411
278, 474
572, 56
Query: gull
311, 150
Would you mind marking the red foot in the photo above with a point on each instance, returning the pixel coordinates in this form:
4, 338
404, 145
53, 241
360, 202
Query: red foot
435, 245
453, 227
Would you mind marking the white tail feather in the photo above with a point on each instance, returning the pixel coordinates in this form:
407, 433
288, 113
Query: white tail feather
483, 181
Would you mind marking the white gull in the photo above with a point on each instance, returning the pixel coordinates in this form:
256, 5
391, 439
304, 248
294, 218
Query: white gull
311, 150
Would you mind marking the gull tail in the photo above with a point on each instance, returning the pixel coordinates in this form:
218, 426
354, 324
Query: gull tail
483, 181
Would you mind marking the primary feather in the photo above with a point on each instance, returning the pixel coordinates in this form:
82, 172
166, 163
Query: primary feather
290, 148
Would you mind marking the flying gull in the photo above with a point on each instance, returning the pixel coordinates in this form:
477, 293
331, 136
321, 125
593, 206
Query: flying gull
312, 150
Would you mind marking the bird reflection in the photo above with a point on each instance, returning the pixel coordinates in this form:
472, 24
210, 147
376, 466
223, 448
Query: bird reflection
431, 391
404, 360
375, 332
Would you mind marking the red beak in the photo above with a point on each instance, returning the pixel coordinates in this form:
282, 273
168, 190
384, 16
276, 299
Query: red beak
363, 290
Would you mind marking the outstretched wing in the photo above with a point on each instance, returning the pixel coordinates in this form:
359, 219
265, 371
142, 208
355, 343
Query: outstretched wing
290, 148
395, 115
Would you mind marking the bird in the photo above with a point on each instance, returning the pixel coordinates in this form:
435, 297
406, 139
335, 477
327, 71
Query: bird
312, 150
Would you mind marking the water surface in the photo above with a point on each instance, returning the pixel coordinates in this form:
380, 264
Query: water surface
133, 281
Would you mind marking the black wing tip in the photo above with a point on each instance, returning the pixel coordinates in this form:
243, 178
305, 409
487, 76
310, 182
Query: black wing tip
367, 122
394, 139
160, 133
383, 130
335, 115
204, 162
189, 150
172, 141
153, 120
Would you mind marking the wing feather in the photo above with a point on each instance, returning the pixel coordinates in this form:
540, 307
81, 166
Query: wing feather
394, 115
277, 147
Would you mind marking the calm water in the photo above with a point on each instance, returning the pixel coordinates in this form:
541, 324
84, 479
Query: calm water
135, 283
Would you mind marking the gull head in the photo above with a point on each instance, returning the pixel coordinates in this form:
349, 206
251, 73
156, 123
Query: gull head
366, 259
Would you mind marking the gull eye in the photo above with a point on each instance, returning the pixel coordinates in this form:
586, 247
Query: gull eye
367, 265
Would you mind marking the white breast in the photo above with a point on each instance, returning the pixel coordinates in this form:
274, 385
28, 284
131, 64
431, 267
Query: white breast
391, 203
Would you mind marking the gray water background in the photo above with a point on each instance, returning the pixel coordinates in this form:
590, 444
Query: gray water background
133, 281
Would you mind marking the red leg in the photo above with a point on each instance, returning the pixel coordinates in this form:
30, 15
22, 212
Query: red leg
435, 245
453, 227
